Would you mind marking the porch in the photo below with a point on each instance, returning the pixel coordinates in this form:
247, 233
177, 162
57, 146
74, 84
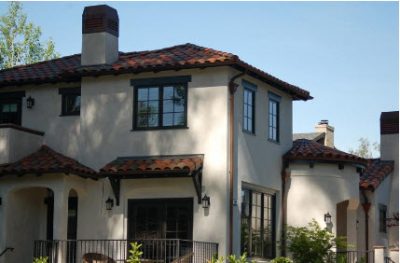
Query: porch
115, 250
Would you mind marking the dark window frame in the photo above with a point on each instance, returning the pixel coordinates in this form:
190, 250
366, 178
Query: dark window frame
251, 88
160, 83
65, 93
12, 98
249, 249
382, 218
275, 99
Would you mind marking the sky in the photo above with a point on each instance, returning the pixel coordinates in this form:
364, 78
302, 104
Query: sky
345, 53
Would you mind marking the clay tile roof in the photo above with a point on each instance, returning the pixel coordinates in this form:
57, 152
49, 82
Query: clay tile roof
375, 172
154, 165
390, 122
173, 58
313, 151
46, 160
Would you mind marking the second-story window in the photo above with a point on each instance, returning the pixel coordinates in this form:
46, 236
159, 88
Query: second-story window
273, 117
249, 107
160, 103
10, 107
70, 101
382, 218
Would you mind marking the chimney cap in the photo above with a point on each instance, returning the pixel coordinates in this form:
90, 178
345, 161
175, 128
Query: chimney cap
323, 122
100, 18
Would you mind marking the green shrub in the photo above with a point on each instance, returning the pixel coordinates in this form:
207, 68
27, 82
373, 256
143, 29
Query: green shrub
281, 260
309, 244
134, 253
233, 259
40, 260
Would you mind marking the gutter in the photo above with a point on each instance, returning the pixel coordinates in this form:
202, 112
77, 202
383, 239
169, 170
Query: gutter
285, 177
232, 89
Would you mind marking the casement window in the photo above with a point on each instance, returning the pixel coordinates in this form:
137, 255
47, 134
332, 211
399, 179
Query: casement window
10, 107
273, 117
258, 224
70, 101
382, 218
249, 106
160, 103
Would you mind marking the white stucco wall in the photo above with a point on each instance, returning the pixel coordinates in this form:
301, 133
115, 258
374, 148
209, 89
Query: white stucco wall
16, 144
312, 192
258, 160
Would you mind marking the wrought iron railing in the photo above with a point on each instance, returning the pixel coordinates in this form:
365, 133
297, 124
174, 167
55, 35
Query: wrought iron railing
351, 257
113, 251
389, 260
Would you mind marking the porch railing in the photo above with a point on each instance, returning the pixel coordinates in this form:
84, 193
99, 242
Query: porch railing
351, 257
113, 251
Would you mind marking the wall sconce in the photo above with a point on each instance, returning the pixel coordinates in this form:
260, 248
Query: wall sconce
328, 218
109, 204
30, 102
205, 201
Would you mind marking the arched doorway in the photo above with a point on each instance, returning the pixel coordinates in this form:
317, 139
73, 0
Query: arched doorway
29, 217
72, 226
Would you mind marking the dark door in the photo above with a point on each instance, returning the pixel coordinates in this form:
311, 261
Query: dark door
10, 111
161, 220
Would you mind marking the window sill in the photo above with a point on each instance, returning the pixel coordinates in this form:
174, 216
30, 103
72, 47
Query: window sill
274, 142
70, 114
159, 128
248, 132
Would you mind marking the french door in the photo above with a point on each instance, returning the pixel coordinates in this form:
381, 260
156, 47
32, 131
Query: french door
158, 224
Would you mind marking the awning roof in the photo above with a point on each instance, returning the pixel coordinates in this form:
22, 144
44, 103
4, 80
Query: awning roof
44, 161
154, 167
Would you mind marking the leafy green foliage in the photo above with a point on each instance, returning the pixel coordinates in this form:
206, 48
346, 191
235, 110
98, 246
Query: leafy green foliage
40, 260
241, 259
216, 259
309, 244
134, 253
20, 40
281, 260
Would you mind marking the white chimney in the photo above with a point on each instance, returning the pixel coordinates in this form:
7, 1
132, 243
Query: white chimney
100, 30
324, 127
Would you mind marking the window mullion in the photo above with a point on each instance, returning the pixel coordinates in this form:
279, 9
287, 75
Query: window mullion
160, 106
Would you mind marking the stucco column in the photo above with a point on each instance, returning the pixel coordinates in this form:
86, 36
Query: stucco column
60, 222
60, 215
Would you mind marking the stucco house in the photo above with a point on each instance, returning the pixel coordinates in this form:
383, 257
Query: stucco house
179, 147
360, 195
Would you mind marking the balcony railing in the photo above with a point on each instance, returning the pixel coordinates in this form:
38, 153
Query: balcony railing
113, 251
351, 257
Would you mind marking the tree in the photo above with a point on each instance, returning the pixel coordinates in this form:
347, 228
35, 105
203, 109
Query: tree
20, 40
365, 148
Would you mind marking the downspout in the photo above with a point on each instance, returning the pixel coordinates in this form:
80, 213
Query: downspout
366, 205
232, 89
285, 177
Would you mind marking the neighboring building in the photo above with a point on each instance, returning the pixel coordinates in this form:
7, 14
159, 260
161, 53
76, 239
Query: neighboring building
361, 195
110, 146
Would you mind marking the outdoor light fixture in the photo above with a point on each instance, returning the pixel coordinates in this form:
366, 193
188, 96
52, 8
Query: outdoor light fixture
205, 201
328, 218
30, 102
109, 204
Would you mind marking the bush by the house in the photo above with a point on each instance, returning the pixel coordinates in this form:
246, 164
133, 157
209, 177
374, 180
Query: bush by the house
312, 244
40, 260
281, 260
134, 253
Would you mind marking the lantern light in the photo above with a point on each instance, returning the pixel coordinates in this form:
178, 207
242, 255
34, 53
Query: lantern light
205, 201
328, 218
109, 204
30, 102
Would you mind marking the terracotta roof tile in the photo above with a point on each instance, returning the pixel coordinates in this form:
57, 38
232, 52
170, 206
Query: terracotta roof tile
46, 160
177, 57
136, 166
375, 172
303, 149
